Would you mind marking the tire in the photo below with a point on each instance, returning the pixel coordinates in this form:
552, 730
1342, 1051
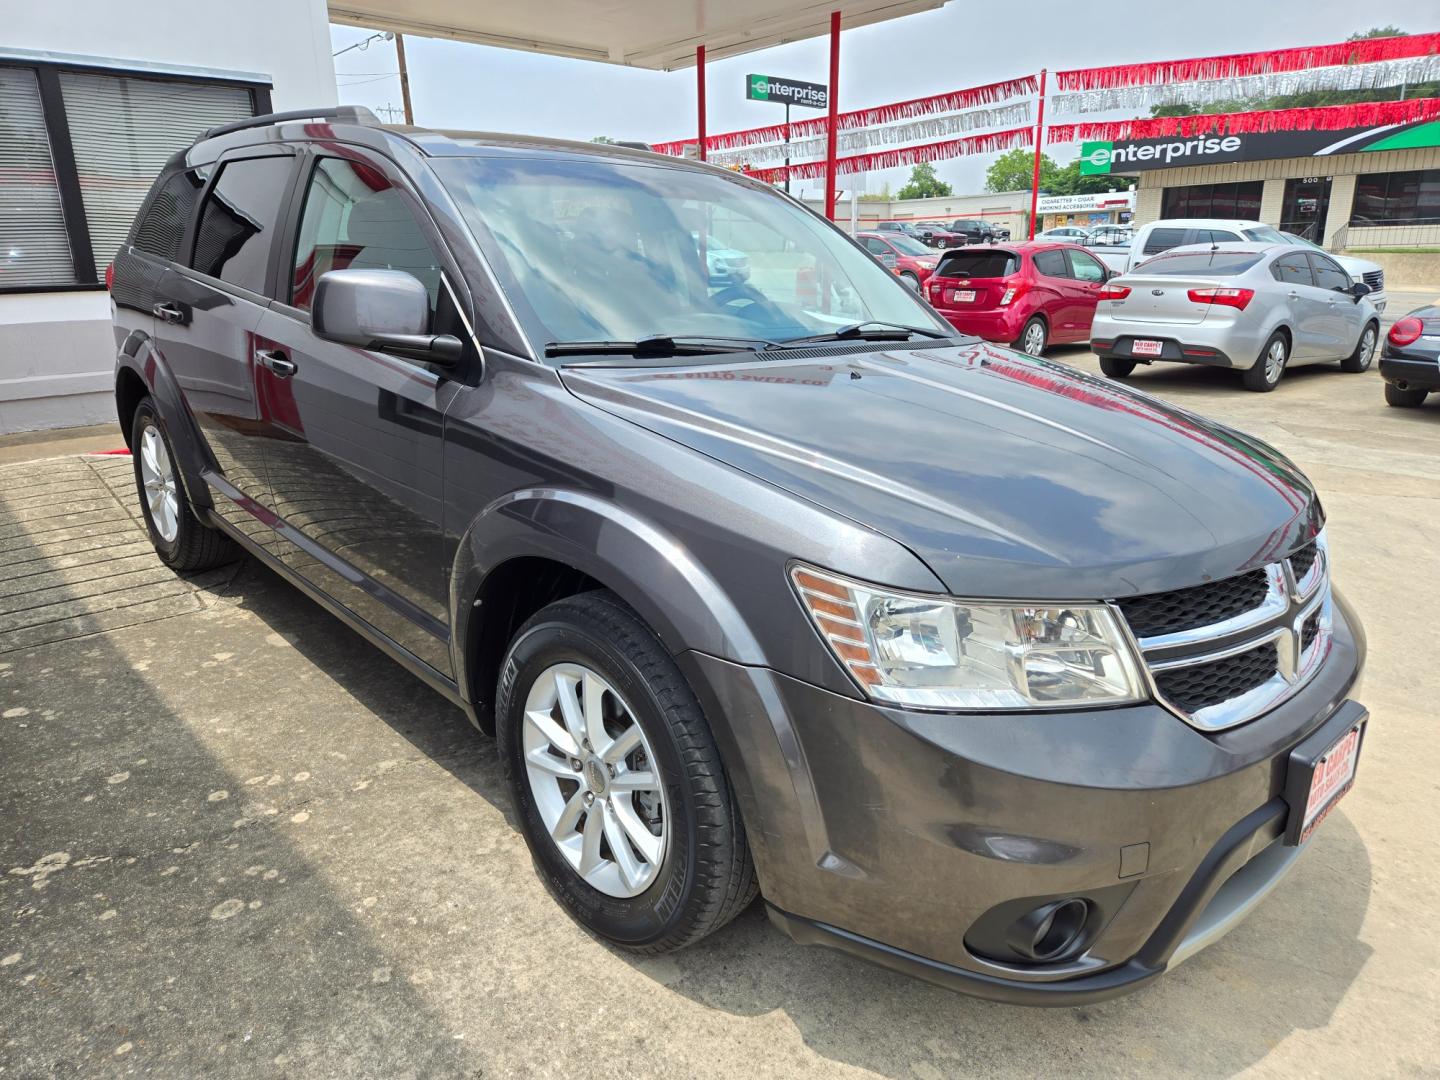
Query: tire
1269, 366
182, 541
703, 874
1115, 367
1404, 399
910, 280
1364, 353
1034, 336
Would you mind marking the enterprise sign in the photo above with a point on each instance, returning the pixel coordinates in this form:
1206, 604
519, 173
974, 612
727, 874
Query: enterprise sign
1138, 155
787, 91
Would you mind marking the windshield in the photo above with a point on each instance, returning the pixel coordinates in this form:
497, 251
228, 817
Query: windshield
1265, 234
908, 245
604, 251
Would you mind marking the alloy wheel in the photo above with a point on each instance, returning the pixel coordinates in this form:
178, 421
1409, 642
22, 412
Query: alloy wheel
1274, 360
157, 476
593, 777
1034, 341
1367, 348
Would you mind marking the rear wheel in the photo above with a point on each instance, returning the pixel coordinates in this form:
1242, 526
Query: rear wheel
1115, 367
617, 781
1270, 365
1364, 352
1404, 399
1033, 337
181, 540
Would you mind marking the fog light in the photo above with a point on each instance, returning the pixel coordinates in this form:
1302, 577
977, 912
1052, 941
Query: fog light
1050, 930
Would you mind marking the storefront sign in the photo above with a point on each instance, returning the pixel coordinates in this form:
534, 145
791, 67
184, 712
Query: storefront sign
1140, 155
787, 91
1067, 204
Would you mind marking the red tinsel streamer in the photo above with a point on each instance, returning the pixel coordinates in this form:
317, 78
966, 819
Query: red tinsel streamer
880, 114
1320, 118
1260, 63
905, 155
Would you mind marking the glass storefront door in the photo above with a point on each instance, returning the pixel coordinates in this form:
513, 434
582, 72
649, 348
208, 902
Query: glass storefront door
1302, 211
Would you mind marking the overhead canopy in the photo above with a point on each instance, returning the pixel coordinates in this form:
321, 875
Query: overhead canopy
658, 34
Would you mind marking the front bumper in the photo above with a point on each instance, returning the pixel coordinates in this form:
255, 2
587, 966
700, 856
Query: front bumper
889, 834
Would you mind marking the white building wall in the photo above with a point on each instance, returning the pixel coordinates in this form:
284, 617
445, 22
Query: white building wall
56, 349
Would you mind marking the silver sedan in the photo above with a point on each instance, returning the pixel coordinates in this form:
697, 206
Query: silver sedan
1256, 307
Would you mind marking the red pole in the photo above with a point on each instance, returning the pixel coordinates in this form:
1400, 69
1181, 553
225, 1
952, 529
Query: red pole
1039, 148
700, 93
834, 112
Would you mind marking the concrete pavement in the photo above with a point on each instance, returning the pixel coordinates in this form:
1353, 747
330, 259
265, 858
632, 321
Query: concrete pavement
235, 840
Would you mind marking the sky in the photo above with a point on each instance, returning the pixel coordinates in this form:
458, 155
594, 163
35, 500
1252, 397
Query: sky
478, 87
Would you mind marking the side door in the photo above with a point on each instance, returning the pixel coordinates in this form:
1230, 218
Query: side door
1056, 293
1088, 274
1344, 318
208, 306
355, 461
881, 250
1307, 307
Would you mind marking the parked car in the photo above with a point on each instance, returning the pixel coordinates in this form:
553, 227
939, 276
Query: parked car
1109, 236
1032, 294
1163, 235
912, 261
726, 265
1410, 362
968, 663
909, 228
1257, 307
1064, 234
998, 231
970, 231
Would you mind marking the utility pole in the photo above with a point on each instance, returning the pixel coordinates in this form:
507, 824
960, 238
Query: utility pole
404, 79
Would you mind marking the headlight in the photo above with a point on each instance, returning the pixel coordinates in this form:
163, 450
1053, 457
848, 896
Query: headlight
932, 652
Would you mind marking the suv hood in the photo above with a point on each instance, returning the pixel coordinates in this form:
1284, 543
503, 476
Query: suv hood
1009, 476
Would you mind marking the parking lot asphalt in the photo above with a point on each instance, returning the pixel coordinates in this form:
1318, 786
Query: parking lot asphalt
235, 840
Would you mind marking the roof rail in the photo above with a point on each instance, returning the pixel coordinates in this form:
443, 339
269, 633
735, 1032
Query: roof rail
355, 114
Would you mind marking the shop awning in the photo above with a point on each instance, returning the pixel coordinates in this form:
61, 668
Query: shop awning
657, 34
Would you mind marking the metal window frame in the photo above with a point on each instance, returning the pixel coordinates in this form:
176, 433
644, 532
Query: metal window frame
62, 150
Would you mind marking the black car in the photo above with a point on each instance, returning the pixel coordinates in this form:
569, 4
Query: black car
1410, 362
971, 231
966, 662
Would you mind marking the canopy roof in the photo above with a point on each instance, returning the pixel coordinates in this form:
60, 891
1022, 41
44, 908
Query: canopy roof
657, 34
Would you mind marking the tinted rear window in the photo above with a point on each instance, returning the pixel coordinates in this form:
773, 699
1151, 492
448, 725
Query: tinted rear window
1203, 263
988, 263
1164, 240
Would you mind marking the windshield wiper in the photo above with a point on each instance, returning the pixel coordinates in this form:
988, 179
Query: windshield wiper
659, 345
870, 330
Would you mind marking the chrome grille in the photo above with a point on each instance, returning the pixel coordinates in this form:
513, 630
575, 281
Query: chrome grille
1222, 653
1375, 279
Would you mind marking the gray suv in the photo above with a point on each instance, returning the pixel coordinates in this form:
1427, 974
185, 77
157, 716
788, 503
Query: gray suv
968, 663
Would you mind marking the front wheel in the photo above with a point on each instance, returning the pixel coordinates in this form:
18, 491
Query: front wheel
617, 781
1404, 399
1033, 337
1364, 352
1269, 366
1116, 368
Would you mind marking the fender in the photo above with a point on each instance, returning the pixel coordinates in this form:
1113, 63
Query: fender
140, 354
639, 561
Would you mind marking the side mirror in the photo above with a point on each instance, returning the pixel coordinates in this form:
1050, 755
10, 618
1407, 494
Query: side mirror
1360, 289
384, 310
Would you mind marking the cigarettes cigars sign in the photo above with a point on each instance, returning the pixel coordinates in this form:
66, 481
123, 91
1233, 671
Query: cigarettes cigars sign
787, 91
1139, 155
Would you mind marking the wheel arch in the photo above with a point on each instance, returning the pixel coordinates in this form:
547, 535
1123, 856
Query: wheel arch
141, 372
535, 546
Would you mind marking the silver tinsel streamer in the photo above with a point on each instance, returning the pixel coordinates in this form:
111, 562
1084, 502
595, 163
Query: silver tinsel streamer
930, 129
1349, 77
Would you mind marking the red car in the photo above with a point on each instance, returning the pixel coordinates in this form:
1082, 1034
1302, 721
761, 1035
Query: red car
911, 260
1031, 294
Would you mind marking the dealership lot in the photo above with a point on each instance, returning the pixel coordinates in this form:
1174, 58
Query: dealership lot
237, 840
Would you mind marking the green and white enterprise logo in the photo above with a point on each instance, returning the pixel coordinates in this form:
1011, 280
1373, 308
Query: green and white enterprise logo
759, 88
1095, 158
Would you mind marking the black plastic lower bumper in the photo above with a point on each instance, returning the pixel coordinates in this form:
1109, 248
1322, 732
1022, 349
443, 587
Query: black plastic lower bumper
1171, 351
1411, 373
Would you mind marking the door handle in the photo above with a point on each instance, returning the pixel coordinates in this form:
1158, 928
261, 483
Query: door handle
167, 312
276, 362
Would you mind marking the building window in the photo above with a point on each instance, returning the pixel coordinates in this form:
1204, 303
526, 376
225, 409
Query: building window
1402, 198
34, 247
1214, 201
79, 149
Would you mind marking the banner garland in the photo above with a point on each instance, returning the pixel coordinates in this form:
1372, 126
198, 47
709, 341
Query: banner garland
1351, 77
905, 155
867, 138
1368, 50
1320, 118
934, 105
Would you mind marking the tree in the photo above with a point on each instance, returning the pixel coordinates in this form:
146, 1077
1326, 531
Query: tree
1014, 169
1068, 181
924, 184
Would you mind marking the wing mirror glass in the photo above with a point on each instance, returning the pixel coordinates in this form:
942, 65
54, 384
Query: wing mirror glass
1360, 289
384, 310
